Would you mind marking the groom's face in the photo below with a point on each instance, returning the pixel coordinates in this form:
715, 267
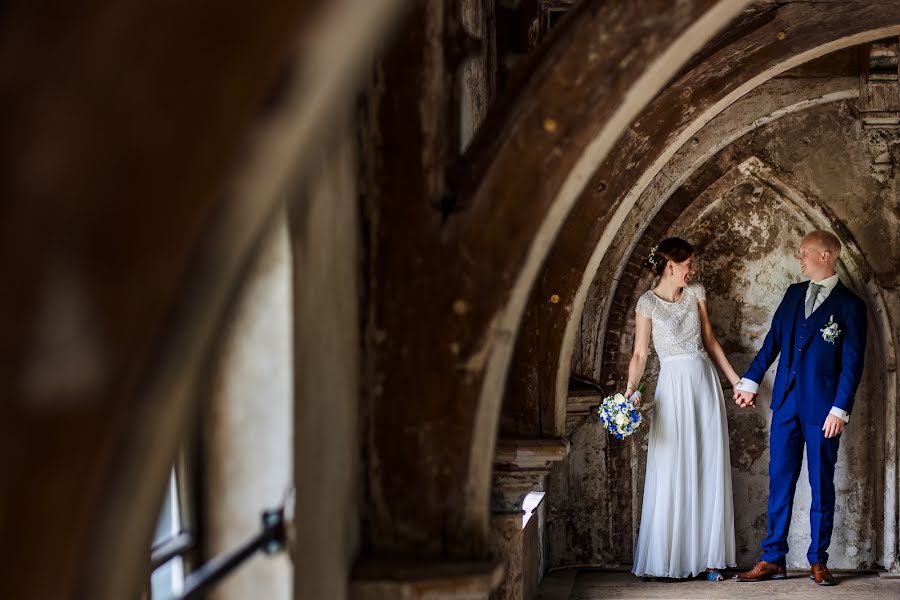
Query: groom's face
813, 259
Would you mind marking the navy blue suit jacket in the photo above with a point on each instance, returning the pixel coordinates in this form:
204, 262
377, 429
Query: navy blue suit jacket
823, 374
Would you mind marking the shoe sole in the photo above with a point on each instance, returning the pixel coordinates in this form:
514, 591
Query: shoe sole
823, 583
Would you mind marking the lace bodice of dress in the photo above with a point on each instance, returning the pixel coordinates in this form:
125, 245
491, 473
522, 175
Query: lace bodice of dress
676, 325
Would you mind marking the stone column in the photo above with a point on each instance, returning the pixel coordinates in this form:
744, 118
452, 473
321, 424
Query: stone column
506, 543
520, 467
325, 250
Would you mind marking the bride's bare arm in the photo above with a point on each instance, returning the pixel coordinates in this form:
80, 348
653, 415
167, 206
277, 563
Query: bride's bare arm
638, 362
713, 348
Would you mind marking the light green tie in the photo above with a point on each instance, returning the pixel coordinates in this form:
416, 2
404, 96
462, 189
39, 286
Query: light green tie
811, 300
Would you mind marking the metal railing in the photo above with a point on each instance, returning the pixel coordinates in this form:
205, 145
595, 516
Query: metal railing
270, 540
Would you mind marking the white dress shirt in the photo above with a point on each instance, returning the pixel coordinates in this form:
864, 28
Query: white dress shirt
828, 284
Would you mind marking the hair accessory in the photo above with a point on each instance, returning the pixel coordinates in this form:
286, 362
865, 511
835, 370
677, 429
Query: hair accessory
652, 259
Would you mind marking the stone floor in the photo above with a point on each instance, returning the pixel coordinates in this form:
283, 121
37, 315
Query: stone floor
587, 584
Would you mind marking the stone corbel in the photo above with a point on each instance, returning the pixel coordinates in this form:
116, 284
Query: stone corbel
521, 466
881, 135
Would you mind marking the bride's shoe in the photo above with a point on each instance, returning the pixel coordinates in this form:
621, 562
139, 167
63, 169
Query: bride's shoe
712, 575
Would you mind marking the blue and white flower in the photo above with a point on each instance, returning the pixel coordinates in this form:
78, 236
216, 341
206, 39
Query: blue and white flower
831, 331
619, 415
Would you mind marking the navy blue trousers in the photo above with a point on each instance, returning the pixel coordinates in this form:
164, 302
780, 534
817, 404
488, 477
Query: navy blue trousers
786, 440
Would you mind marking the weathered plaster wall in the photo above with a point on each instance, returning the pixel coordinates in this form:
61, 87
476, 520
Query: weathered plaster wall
747, 234
825, 153
590, 500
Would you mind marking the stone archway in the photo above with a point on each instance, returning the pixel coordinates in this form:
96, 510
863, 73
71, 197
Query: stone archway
822, 38
773, 100
801, 33
218, 111
880, 308
462, 277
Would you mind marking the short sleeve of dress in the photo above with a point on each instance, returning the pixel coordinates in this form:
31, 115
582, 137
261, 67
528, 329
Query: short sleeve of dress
645, 306
699, 291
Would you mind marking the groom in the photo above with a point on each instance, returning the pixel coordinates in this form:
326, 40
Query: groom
819, 331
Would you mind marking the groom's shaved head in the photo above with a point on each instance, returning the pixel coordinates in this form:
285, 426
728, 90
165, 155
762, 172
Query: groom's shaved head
826, 241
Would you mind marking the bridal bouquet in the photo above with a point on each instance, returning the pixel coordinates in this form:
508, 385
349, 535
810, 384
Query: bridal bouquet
619, 415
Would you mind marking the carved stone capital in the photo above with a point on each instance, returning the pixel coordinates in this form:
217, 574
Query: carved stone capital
520, 467
882, 134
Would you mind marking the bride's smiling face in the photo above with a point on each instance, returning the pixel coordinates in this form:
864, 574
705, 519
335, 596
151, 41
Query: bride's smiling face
681, 273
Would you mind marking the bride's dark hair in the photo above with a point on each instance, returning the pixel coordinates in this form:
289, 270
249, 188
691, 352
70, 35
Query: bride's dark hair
675, 249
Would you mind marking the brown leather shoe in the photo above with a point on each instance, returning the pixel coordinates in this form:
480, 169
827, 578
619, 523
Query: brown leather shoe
763, 571
820, 574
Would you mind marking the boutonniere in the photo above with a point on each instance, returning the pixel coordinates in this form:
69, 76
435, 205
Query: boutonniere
831, 331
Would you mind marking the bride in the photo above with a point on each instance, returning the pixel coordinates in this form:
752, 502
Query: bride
687, 520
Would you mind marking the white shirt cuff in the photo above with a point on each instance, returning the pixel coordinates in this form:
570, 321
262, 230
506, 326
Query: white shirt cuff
841, 414
747, 385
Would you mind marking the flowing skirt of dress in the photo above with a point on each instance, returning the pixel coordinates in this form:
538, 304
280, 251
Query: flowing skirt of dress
687, 519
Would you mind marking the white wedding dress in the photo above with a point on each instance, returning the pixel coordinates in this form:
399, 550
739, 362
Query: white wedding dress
687, 520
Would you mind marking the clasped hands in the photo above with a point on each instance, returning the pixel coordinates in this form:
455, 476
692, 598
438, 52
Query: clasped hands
744, 398
833, 426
